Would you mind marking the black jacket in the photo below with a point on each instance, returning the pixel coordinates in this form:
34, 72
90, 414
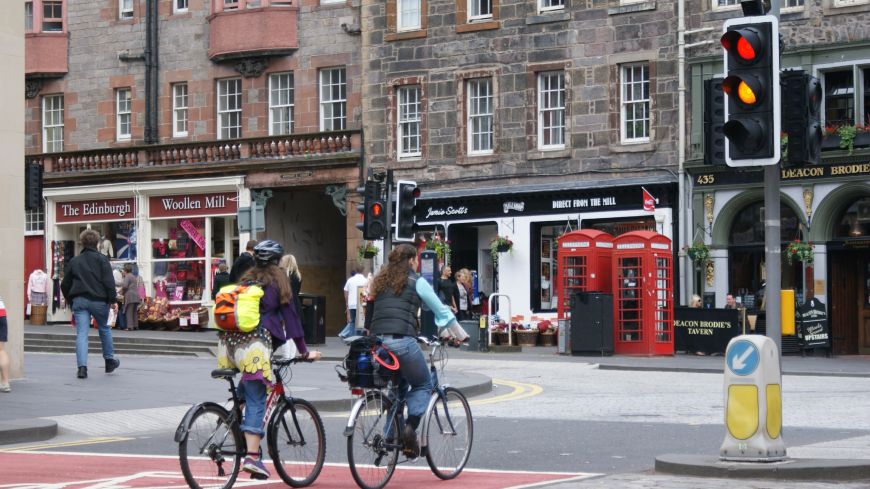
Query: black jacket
89, 275
220, 279
243, 263
395, 314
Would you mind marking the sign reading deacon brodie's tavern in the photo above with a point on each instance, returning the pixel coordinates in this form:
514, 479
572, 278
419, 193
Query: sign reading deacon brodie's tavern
192, 205
704, 330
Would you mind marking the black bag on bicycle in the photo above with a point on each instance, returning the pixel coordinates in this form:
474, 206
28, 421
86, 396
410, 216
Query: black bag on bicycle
369, 364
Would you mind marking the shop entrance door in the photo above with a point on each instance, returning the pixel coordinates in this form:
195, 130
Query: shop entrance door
849, 309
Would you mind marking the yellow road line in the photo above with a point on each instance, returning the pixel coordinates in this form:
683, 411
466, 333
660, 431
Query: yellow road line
89, 441
521, 390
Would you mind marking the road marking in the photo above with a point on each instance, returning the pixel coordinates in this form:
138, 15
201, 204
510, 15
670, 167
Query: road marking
520, 391
89, 441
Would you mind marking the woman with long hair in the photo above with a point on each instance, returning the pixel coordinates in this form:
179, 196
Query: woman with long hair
288, 265
251, 352
463, 294
397, 295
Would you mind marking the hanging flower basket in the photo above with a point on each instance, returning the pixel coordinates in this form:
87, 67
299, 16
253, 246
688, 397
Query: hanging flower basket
698, 253
499, 244
799, 251
440, 246
367, 250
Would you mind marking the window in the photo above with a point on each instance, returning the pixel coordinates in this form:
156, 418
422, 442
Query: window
281, 103
793, 4
28, 16
231, 4
635, 103
725, 4
125, 9
333, 100
34, 220
408, 133
479, 9
551, 110
480, 116
52, 124
866, 117
323, 2
545, 5
179, 110
839, 98
52, 16
123, 114
179, 6
230, 108
848, 3
408, 15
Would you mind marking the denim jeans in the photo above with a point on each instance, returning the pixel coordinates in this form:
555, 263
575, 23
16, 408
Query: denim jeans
414, 371
83, 308
350, 327
253, 393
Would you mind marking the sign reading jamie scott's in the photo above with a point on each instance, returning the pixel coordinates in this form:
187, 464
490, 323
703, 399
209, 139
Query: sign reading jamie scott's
94, 210
193, 205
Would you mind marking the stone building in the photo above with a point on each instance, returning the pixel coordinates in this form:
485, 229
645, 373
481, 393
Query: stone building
524, 118
827, 205
157, 121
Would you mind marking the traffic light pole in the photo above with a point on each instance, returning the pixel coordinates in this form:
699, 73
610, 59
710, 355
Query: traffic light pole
772, 241
388, 238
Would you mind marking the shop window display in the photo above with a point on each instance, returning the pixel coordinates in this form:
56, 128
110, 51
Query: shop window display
179, 266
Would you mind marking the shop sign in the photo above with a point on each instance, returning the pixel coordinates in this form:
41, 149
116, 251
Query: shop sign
813, 320
786, 174
193, 205
704, 330
94, 210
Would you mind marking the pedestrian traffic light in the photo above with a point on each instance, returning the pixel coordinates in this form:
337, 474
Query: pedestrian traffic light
752, 114
714, 119
33, 186
372, 211
801, 117
406, 202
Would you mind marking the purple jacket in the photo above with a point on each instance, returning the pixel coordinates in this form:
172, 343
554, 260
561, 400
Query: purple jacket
273, 314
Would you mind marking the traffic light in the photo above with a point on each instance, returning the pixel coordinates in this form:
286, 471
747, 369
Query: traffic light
714, 119
801, 117
406, 202
752, 114
33, 186
372, 211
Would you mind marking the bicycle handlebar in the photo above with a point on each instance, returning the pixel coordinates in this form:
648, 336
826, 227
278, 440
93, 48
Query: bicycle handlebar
291, 361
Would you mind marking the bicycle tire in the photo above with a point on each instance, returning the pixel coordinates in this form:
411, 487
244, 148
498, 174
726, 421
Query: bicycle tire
212, 441
297, 464
447, 450
372, 463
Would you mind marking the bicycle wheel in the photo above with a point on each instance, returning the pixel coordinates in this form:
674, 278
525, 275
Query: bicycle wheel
210, 454
449, 434
297, 443
373, 446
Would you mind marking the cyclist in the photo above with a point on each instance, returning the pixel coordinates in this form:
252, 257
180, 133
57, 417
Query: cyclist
251, 352
396, 295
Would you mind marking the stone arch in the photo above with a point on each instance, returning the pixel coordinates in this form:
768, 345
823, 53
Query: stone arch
832, 206
725, 217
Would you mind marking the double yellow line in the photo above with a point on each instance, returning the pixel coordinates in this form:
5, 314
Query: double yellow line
45, 446
520, 391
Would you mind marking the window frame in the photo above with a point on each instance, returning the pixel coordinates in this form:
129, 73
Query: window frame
223, 98
28, 16
471, 115
400, 27
848, 3
124, 13
330, 102
180, 109
402, 102
722, 8
290, 107
52, 20
479, 17
624, 103
34, 221
860, 70
795, 8
122, 114
550, 8
46, 127
540, 92
180, 10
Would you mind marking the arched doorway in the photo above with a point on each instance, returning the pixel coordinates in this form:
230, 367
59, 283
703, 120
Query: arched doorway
849, 279
746, 273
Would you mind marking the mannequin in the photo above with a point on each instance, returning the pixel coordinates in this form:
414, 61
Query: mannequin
160, 287
37, 286
106, 247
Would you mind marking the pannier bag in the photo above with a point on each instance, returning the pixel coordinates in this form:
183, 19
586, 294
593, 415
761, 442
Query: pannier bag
237, 307
369, 364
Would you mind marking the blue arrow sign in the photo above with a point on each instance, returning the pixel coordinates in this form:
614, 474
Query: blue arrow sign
742, 358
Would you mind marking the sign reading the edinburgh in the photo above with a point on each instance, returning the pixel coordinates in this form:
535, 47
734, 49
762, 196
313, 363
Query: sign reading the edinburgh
94, 210
193, 205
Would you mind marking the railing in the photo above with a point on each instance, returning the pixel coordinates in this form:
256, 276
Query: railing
166, 155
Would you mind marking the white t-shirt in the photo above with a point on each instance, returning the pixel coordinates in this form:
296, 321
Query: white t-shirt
352, 287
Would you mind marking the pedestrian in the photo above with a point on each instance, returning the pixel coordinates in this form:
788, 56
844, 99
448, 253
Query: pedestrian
291, 268
251, 352
696, 301
221, 278
445, 288
397, 296
243, 263
730, 302
118, 276
89, 286
351, 299
4, 357
130, 289
463, 294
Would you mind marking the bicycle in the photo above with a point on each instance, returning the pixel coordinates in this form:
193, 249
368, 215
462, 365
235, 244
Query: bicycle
211, 444
376, 421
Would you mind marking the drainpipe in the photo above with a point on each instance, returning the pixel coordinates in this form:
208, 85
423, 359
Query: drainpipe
152, 78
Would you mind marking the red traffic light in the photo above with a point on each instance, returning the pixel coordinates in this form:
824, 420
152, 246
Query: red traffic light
745, 43
377, 209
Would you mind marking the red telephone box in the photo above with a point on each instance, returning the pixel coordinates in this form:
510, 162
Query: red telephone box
643, 312
585, 264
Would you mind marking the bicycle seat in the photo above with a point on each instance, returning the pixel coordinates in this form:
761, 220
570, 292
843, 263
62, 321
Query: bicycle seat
224, 373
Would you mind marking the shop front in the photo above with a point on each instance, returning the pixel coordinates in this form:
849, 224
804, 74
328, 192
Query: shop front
532, 218
175, 234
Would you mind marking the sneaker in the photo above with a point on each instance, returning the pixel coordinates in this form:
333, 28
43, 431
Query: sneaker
409, 440
256, 468
5, 388
112, 364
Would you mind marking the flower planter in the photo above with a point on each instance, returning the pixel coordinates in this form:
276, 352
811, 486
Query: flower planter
527, 338
501, 338
831, 142
862, 139
503, 248
547, 339
369, 254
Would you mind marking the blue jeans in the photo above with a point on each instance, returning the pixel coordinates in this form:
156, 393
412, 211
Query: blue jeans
414, 371
253, 393
83, 308
349, 328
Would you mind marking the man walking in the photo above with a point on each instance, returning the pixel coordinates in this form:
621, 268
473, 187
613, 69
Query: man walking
243, 263
89, 286
351, 296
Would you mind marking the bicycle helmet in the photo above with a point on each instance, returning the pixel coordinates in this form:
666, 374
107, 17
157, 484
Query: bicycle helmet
268, 251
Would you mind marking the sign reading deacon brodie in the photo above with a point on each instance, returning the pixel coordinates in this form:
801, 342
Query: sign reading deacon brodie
813, 320
193, 205
704, 330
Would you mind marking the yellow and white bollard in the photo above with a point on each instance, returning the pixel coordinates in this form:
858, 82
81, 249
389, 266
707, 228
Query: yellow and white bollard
753, 401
